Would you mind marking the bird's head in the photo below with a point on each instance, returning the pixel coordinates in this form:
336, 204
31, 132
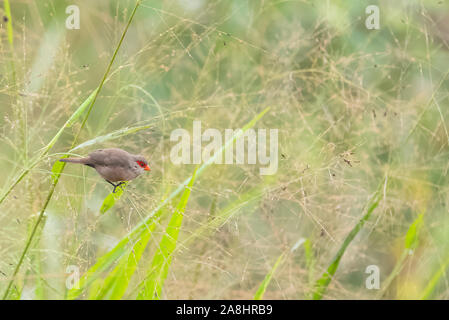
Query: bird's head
142, 163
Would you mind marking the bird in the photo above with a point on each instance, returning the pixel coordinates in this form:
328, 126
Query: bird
114, 165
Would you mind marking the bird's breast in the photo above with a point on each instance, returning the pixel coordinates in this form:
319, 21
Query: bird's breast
116, 173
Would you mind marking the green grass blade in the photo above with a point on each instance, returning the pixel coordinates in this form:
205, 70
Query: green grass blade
310, 260
152, 285
281, 259
9, 28
430, 288
108, 259
111, 136
78, 112
263, 286
36, 260
102, 265
95, 289
322, 283
10, 33
15, 293
411, 238
34, 264
116, 283
411, 242
112, 197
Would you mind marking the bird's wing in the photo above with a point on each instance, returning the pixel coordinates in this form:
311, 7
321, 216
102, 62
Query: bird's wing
110, 157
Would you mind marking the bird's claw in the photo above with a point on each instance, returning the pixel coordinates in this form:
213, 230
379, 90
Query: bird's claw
116, 186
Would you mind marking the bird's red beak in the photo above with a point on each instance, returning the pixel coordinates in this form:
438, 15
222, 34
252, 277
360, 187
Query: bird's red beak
146, 168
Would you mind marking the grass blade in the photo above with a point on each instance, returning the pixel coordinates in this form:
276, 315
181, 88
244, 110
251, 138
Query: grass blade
75, 116
110, 136
430, 288
322, 283
281, 259
102, 265
115, 285
310, 260
10, 33
411, 242
9, 29
152, 285
109, 201
263, 286
411, 238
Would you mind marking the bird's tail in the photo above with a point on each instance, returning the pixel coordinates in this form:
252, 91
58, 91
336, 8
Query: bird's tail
74, 160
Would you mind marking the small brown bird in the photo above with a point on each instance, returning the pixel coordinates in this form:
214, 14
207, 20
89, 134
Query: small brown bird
114, 165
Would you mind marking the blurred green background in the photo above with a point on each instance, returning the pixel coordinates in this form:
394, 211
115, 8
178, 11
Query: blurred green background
355, 109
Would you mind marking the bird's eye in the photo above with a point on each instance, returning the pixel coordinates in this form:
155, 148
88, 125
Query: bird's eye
140, 163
